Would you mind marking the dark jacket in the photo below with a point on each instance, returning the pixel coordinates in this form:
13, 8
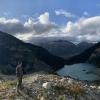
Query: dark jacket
19, 71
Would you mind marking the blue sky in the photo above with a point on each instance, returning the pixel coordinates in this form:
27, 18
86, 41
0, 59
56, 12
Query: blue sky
19, 8
59, 14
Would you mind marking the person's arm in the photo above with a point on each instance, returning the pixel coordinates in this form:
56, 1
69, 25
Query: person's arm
17, 74
22, 71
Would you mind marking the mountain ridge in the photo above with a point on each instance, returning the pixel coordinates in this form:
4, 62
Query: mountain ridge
60, 46
35, 58
14, 50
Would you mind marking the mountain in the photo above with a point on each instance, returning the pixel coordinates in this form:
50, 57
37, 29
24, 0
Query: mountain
34, 58
60, 46
84, 45
95, 56
90, 55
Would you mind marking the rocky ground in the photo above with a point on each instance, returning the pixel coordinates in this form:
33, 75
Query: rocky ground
42, 86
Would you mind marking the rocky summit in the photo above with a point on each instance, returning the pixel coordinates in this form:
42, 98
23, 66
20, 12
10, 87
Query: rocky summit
44, 86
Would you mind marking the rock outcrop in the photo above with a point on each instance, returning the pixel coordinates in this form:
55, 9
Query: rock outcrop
43, 86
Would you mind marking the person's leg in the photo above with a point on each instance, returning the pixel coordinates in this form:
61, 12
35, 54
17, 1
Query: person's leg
20, 82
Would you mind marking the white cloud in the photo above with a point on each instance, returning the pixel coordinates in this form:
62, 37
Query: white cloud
5, 21
25, 37
15, 26
26, 30
44, 18
64, 13
84, 29
12, 26
42, 25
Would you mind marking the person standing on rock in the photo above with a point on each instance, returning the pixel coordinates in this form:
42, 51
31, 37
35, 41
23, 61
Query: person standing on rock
19, 74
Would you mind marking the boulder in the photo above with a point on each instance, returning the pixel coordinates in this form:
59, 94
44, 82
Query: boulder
47, 85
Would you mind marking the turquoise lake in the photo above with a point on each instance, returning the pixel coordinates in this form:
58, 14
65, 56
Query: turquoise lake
82, 71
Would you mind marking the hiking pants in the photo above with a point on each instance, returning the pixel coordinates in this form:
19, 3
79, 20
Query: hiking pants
19, 82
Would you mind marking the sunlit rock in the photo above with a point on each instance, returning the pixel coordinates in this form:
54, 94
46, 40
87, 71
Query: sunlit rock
47, 85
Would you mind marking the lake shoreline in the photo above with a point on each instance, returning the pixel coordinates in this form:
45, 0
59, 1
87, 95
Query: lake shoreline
82, 71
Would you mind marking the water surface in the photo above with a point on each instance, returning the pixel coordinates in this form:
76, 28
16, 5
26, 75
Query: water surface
82, 71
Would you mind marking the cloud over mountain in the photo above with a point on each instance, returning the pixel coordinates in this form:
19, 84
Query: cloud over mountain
84, 29
13, 26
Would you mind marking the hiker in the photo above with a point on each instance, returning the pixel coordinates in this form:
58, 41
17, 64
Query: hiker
19, 74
